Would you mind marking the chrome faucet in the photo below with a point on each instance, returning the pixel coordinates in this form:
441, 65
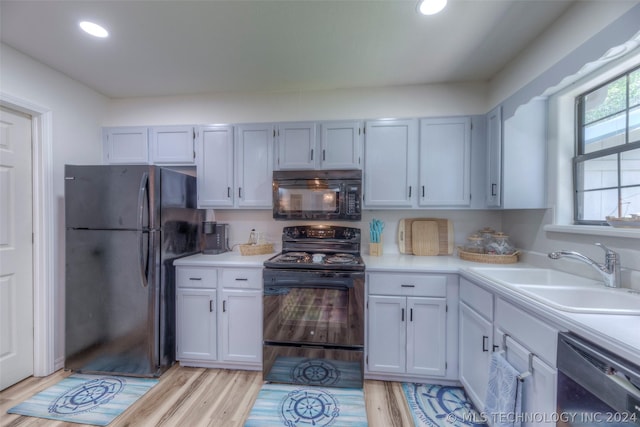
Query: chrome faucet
610, 270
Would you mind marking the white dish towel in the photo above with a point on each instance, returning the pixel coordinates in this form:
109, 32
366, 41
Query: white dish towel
503, 405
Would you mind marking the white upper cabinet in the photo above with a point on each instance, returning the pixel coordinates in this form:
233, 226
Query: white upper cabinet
390, 175
254, 165
172, 145
215, 166
296, 145
341, 145
445, 162
494, 157
125, 145
516, 150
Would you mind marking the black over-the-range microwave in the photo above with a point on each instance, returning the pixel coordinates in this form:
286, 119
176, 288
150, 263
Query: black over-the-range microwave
317, 195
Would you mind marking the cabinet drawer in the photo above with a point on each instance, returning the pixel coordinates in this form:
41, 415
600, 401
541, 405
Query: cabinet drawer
477, 298
196, 277
243, 278
408, 284
539, 337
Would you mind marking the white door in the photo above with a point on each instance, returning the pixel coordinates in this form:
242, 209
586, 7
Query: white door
196, 324
387, 333
16, 279
241, 325
254, 165
341, 145
296, 146
215, 167
475, 344
426, 336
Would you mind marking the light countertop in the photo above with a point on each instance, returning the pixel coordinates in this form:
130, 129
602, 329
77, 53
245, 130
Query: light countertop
618, 333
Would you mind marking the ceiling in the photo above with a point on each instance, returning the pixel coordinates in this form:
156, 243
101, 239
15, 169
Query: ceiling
178, 47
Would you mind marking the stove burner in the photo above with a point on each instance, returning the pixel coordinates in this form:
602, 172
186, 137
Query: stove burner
294, 257
341, 259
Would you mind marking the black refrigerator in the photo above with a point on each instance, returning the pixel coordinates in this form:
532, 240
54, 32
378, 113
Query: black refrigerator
125, 225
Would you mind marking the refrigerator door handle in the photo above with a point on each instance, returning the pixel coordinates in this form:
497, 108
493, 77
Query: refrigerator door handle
144, 183
144, 259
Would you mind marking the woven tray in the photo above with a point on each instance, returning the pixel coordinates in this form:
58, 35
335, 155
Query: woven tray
489, 258
266, 248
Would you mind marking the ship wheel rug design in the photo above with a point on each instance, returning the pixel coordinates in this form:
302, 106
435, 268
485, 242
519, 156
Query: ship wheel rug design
440, 406
85, 399
316, 372
301, 406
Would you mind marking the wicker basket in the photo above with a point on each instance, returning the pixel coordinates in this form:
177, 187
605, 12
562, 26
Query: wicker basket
266, 248
488, 258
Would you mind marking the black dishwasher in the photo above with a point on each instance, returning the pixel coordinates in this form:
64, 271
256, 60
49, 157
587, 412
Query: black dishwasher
595, 386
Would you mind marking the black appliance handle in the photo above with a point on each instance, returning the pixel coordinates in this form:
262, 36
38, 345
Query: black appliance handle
277, 288
144, 261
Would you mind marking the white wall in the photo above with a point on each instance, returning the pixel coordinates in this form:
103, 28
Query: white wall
77, 112
402, 101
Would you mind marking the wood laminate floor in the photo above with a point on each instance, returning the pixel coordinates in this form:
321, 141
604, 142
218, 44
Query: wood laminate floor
192, 397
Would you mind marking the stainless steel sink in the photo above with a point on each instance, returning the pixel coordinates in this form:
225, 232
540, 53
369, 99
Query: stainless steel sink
564, 291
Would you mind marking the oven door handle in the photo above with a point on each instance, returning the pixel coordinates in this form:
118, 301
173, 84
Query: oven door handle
282, 288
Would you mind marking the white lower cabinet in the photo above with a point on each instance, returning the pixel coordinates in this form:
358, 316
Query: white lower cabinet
475, 351
241, 316
409, 332
222, 332
489, 323
196, 314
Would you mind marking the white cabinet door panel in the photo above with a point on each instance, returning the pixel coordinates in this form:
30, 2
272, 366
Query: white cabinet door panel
445, 161
254, 166
475, 344
196, 324
426, 336
387, 333
390, 163
297, 146
172, 145
241, 325
215, 167
126, 145
341, 144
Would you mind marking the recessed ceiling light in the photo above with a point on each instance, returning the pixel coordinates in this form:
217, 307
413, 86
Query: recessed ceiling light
94, 29
431, 7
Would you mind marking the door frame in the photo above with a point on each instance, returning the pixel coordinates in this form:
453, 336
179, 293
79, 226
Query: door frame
44, 295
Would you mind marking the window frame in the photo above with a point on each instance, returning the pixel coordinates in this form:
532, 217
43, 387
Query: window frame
580, 157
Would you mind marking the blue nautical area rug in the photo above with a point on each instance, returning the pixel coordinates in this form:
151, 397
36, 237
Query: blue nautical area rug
301, 406
440, 406
85, 399
317, 372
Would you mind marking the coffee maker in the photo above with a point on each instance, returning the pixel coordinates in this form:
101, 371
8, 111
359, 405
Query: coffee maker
215, 237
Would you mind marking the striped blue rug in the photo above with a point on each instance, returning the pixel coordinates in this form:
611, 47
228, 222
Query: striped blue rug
280, 405
85, 399
438, 406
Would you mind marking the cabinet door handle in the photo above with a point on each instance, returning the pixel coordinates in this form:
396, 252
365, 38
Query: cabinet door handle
228, 192
407, 286
494, 187
241, 279
423, 191
210, 306
409, 191
312, 154
195, 278
411, 315
239, 192
403, 314
224, 306
324, 155
485, 340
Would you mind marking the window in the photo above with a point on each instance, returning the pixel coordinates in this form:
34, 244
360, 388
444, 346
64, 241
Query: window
606, 168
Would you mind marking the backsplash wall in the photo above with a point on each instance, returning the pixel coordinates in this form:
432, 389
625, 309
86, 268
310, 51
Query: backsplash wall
464, 222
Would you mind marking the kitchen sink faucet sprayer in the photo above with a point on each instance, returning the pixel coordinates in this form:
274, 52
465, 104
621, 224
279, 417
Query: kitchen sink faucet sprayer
610, 270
